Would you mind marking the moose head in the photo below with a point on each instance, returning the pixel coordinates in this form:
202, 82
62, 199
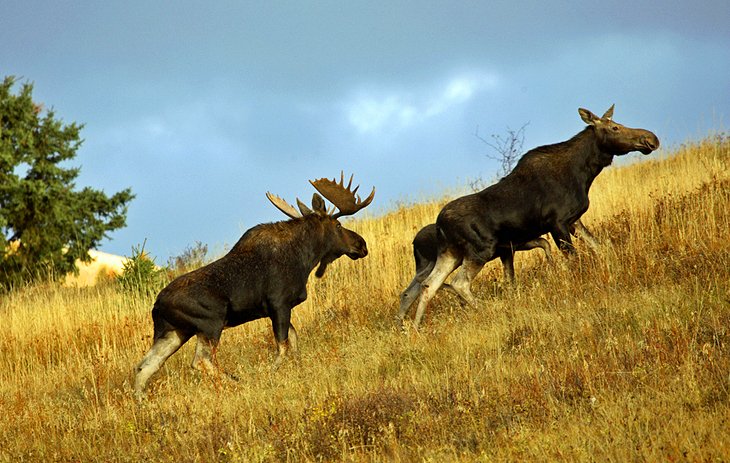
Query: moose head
618, 139
346, 201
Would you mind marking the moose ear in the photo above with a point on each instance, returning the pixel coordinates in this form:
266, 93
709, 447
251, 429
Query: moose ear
609, 114
588, 117
318, 204
303, 208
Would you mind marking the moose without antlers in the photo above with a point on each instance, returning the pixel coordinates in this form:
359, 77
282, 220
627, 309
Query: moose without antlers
425, 253
546, 192
264, 275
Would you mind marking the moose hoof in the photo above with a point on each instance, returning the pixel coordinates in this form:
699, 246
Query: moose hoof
140, 397
230, 378
399, 325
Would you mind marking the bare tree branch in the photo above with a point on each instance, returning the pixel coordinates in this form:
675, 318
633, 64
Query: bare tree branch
508, 148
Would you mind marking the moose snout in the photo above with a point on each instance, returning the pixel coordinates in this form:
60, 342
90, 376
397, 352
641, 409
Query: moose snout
359, 250
650, 143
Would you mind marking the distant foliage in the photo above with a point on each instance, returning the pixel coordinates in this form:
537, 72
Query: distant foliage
140, 274
45, 223
192, 257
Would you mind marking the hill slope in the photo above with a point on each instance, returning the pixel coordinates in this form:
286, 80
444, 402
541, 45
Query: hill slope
619, 354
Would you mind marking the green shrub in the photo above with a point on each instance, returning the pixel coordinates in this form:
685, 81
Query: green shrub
141, 274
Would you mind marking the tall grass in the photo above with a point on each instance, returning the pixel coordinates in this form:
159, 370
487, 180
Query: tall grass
619, 354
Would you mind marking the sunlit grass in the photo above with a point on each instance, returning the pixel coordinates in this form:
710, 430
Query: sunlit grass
619, 354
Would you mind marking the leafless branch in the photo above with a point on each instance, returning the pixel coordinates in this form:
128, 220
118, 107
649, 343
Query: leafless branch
508, 148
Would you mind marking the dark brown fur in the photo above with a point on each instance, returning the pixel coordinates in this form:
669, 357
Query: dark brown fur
425, 253
546, 192
264, 275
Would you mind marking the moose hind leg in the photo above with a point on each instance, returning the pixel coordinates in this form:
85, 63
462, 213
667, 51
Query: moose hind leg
204, 353
410, 294
162, 348
461, 283
204, 358
407, 297
445, 264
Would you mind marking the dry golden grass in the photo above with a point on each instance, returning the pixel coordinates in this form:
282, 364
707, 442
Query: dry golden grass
621, 354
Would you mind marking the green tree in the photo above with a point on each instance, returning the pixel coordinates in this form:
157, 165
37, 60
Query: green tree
45, 223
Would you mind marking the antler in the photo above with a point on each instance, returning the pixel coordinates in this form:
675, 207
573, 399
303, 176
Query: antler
283, 206
342, 197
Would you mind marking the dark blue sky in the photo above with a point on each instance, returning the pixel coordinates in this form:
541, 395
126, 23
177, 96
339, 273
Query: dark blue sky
202, 107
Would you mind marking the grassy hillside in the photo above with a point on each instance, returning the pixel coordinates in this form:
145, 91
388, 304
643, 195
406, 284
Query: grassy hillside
621, 354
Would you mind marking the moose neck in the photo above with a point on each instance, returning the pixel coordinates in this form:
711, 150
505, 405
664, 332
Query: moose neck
312, 241
601, 158
586, 156
576, 161
303, 239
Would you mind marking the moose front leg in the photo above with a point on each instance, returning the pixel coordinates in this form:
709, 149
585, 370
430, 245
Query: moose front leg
580, 230
507, 256
284, 333
561, 236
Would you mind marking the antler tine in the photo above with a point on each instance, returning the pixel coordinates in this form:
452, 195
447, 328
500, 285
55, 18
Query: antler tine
283, 206
342, 181
343, 197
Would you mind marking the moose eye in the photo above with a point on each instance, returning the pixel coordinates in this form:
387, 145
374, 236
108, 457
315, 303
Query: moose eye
614, 128
339, 225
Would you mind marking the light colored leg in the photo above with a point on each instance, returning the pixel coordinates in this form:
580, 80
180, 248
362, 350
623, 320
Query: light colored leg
585, 234
160, 351
203, 359
462, 281
407, 297
284, 348
543, 243
293, 340
445, 264
411, 292
288, 347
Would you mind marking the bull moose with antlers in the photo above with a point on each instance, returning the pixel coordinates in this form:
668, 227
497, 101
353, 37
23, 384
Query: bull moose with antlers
264, 275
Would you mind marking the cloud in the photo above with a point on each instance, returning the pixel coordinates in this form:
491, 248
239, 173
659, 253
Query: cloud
371, 112
155, 127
